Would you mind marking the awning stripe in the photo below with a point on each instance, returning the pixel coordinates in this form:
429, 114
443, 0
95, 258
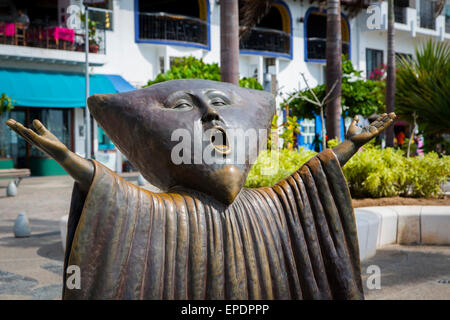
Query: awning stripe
32, 88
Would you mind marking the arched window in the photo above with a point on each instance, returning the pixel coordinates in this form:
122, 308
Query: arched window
316, 35
272, 35
180, 22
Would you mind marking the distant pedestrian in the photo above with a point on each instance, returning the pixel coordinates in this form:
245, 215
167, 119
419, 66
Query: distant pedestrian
400, 138
22, 18
317, 142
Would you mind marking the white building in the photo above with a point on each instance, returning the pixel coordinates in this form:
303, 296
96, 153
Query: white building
137, 40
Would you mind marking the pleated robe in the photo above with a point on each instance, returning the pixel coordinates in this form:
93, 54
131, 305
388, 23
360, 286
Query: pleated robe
294, 240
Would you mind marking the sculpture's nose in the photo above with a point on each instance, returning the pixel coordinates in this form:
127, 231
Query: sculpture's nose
209, 114
109, 111
98, 103
107, 107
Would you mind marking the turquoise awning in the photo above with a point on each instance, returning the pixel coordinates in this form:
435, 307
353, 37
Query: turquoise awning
32, 88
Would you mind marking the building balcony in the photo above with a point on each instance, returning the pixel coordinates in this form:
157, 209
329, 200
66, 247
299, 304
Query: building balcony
267, 40
415, 21
168, 28
50, 37
49, 44
51, 56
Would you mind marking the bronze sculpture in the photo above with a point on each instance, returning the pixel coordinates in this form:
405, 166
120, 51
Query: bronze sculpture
206, 237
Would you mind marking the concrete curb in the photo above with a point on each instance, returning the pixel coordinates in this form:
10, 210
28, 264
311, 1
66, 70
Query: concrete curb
406, 225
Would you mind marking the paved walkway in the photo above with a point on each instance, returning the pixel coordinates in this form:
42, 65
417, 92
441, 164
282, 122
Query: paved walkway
409, 272
31, 268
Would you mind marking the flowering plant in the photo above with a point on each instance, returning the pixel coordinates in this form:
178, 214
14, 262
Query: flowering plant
379, 73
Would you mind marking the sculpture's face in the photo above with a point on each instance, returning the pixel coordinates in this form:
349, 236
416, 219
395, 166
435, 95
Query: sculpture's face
189, 133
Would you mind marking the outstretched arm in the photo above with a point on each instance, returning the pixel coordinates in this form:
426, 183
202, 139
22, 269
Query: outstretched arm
356, 137
80, 169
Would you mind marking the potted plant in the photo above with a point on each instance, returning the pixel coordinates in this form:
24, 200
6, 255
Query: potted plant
92, 34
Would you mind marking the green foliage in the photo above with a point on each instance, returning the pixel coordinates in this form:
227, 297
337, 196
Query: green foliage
250, 83
92, 27
302, 108
290, 129
333, 143
193, 68
272, 145
372, 172
376, 172
189, 68
6, 104
424, 175
423, 86
359, 96
272, 166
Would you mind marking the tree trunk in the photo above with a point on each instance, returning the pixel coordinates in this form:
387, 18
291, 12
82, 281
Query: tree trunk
390, 79
334, 68
229, 41
322, 120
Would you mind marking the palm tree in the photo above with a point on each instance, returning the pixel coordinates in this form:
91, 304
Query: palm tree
334, 68
229, 41
390, 73
423, 87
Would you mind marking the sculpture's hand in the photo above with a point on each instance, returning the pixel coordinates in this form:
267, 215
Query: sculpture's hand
360, 136
46, 141
80, 169
357, 137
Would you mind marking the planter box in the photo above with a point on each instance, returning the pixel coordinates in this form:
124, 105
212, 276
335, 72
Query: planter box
45, 167
6, 163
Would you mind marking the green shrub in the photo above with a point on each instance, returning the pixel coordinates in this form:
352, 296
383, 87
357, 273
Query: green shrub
272, 166
372, 172
377, 172
424, 175
333, 143
193, 68
250, 83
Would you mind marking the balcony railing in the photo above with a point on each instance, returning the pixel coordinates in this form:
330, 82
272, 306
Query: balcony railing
400, 14
317, 48
166, 26
44, 36
270, 40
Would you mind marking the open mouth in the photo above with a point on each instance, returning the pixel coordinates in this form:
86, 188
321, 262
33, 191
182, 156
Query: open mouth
219, 140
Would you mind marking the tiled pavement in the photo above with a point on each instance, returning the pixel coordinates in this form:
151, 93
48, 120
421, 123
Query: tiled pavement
31, 268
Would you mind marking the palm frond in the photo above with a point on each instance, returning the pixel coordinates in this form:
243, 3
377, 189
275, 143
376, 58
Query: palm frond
251, 13
423, 86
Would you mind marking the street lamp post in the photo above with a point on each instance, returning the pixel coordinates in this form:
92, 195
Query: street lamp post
86, 70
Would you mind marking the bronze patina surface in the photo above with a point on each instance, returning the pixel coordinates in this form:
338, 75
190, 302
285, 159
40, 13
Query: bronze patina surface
206, 237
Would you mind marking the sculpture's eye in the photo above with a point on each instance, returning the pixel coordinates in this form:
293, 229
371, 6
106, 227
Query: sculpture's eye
182, 105
218, 102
